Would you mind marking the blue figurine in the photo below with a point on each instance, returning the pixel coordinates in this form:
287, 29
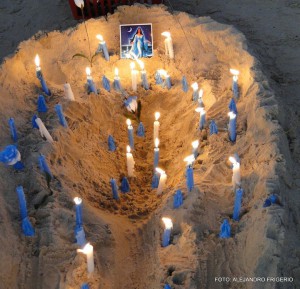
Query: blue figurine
13, 130
111, 144
177, 199
106, 83
60, 114
185, 86
125, 188
33, 122
114, 189
232, 106
225, 231
42, 107
213, 129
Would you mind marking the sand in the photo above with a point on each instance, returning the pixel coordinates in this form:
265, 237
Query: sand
126, 235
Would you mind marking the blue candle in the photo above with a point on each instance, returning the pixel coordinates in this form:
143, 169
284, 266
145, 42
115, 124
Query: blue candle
78, 208
85, 286
39, 75
158, 78
185, 86
168, 81
156, 153
155, 180
90, 83
232, 106
33, 123
102, 47
202, 121
235, 87
195, 145
144, 80
167, 232
117, 83
60, 114
114, 189
141, 130
177, 199
213, 129
167, 286
125, 188
189, 178
106, 83
111, 144
232, 127
130, 133
44, 166
13, 131
225, 230
42, 107
237, 204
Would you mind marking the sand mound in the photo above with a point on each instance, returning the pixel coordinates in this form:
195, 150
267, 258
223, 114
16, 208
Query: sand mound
128, 253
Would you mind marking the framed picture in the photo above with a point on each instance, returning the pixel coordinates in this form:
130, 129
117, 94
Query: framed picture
136, 40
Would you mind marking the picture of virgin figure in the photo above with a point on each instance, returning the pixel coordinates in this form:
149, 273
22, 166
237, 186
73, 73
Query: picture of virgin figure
136, 41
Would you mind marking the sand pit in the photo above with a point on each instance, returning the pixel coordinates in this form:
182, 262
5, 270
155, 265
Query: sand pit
126, 235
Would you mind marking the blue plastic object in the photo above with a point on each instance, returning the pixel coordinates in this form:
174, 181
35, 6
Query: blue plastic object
34, 124
168, 83
85, 286
42, 107
140, 130
111, 144
166, 238
114, 189
155, 181
117, 84
225, 231
237, 204
60, 114
232, 106
177, 199
185, 86
157, 77
189, 178
145, 83
232, 129
44, 166
13, 131
202, 121
213, 129
125, 188
106, 83
11, 156
156, 158
91, 86
45, 89
130, 138
167, 286
235, 89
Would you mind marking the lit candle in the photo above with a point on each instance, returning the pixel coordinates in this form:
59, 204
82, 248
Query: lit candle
189, 172
60, 114
102, 47
78, 208
167, 231
134, 73
68, 92
88, 250
162, 180
90, 83
195, 145
235, 87
13, 130
237, 204
202, 112
43, 131
168, 44
145, 83
130, 163
39, 75
156, 153
232, 126
195, 91
130, 133
117, 83
156, 126
236, 174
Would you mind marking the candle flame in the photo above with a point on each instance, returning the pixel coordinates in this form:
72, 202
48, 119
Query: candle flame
195, 85
160, 171
234, 71
88, 71
201, 110
189, 159
235, 78
128, 121
77, 200
167, 222
37, 60
141, 64
116, 71
231, 115
132, 65
232, 160
166, 34
88, 248
195, 144
157, 115
99, 37
162, 72
200, 93
156, 142
128, 149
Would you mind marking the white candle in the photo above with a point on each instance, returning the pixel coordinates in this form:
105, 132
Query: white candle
156, 126
88, 250
162, 180
37, 63
236, 173
168, 44
68, 92
130, 163
134, 73
44, 132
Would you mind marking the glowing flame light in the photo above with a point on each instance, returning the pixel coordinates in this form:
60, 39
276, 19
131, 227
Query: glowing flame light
166, 34
201, 110
190, 159
156, 142
231, 115
128, 122
88, 71
162, 72
195, 144
37, 60
200, 93
128, 149
88, 248
167, 222
234, 72
160, 171
77, 201
195, 86
233, 160
132, 65
141, 64
157, 115
116, 71
99, 37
